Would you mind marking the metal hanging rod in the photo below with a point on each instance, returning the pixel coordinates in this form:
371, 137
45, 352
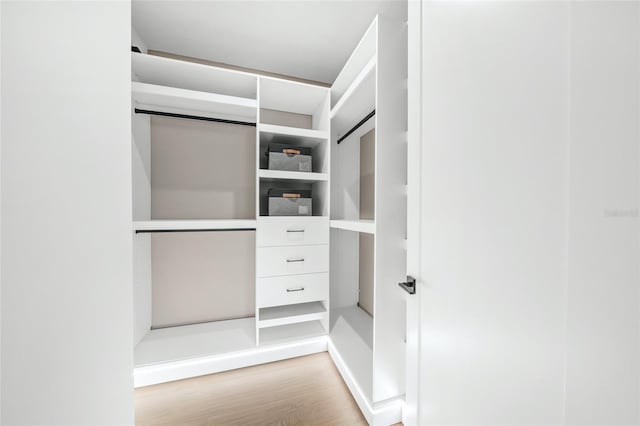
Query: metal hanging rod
194, 117
153, 231
357, 126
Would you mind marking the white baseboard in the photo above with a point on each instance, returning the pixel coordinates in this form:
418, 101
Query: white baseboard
382, 414
184, 369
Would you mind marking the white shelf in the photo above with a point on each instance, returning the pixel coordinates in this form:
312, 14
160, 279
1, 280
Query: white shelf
291, 314
291, 333
356, 104
191, 225
191, 102
193, 341
365, 49
271, 175
364, 81
352, 336
365, 226
291, 135
189, 75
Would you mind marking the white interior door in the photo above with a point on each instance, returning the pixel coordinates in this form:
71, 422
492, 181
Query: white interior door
529, 243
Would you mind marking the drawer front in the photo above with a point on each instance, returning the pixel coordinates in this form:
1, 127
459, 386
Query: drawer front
287, 290
274, 261
292, 231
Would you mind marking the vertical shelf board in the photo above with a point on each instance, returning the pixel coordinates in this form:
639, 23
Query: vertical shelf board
141, 198
257, 195
390, 211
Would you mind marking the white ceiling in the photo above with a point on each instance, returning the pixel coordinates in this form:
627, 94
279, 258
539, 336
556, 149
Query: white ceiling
309, 39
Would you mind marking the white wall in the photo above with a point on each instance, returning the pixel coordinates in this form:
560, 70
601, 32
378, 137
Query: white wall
530, 242
66, 214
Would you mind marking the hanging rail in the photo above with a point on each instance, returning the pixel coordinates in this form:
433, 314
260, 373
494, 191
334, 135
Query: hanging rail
150, 231
194, 117
357, 126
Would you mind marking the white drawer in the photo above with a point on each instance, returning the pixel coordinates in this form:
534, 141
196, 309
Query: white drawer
278, 291
274, 261
291, 231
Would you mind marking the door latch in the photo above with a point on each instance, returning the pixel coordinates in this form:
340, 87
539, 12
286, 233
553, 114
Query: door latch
410, 285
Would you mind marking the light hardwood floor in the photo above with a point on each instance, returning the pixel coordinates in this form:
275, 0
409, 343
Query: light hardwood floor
299, 391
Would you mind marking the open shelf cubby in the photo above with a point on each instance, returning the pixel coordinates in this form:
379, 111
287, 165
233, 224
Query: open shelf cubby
292, 104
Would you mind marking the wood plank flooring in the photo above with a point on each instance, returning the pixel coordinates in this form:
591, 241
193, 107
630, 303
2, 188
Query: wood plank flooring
299, 391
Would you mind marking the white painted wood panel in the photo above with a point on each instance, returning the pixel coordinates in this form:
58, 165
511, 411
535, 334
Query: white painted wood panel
66, 213
390, 211
292, 260
494, 212
603, 333
285, 231
290, 289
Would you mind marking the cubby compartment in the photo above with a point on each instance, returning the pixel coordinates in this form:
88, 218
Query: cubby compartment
298, 138
353, 181
293, 105
352, 302
318, 191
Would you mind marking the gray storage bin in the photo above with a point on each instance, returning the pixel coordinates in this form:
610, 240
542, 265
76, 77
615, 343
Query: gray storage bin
289, 202
289, 158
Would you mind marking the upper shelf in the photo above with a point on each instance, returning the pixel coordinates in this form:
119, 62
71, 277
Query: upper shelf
191, 102
193, 76
364, 51
357, 101
362, 225
291, 135
355, 105
358, 85
274, 175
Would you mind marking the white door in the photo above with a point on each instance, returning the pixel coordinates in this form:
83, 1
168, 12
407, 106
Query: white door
528, 178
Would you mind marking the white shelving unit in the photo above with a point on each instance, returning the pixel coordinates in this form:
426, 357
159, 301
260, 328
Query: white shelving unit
309, 270
298, 291
368, 217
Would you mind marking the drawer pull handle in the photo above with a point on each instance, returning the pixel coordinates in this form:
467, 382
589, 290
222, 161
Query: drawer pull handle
289, 290
295, 230
295, 260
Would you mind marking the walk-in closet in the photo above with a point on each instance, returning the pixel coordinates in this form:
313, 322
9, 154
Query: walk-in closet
270, 217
